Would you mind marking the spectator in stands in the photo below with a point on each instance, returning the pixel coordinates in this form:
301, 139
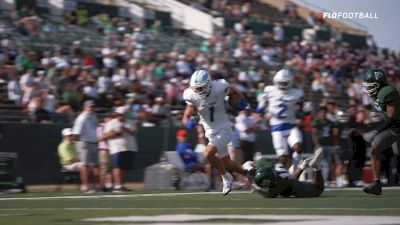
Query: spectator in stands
70, 18
14, 90
279, 33
120, 134
82, 15
332, 107
157, 26
69, 158
84, 129
26, 79
101, 20
30, 63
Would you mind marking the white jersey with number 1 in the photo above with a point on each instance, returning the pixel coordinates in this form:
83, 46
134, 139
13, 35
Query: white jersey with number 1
211, 109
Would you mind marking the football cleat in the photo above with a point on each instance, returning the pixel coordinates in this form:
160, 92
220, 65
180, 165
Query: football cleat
312, 161
316, 158
227, 181
375, 189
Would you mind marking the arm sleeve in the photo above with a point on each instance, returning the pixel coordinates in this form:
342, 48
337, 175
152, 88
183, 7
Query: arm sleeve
262, 101
224, 86
186, 97
391, 97
109, 126
78, 124
130, 125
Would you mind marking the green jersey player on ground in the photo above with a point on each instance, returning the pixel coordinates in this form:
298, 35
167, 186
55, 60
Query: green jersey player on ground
271, 183
386, 100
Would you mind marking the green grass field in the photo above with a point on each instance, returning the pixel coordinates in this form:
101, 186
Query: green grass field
70, 207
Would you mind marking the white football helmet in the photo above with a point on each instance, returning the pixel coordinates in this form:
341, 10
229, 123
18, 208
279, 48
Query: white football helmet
283, 79
200, 82
307, 107
342, 116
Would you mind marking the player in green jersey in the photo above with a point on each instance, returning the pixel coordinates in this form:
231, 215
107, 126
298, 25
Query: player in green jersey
270, 182
386, 100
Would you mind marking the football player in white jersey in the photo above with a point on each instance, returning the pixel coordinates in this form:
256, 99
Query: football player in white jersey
280, 101
208, 98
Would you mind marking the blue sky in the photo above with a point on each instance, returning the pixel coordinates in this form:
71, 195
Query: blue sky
386, 29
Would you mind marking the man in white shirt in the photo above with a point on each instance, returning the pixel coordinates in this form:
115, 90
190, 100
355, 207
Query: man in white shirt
84, 129
247, 128
121, 138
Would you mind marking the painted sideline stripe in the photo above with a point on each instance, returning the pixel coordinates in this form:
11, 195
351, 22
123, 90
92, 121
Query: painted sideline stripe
162, 194
197, 208
264, 219
117, 196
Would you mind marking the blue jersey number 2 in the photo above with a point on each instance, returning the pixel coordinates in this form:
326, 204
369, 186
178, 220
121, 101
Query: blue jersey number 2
282, 110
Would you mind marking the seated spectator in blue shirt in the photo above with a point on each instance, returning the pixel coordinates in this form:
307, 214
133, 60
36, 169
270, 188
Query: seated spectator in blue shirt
186, 151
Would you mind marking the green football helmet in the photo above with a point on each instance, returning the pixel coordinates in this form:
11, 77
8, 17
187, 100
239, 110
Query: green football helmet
265, 176
374, 80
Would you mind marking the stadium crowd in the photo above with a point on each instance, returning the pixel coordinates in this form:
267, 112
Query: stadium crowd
127, 69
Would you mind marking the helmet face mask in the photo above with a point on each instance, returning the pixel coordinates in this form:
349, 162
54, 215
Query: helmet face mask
283, 85
202, 91
200, 83
371, 88
283, 80
342, 116
374, 80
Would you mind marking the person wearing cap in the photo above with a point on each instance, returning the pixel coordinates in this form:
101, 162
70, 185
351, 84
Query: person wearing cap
121, 138
69, 158
84, 129
186, 151
190, 158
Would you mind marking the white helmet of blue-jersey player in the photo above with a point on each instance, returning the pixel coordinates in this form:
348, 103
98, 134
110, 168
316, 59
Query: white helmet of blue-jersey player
283, 79
342, 116
200, 82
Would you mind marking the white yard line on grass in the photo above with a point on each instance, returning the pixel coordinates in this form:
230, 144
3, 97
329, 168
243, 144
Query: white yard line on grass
194, 208
158, 194
115, 196
267, 219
